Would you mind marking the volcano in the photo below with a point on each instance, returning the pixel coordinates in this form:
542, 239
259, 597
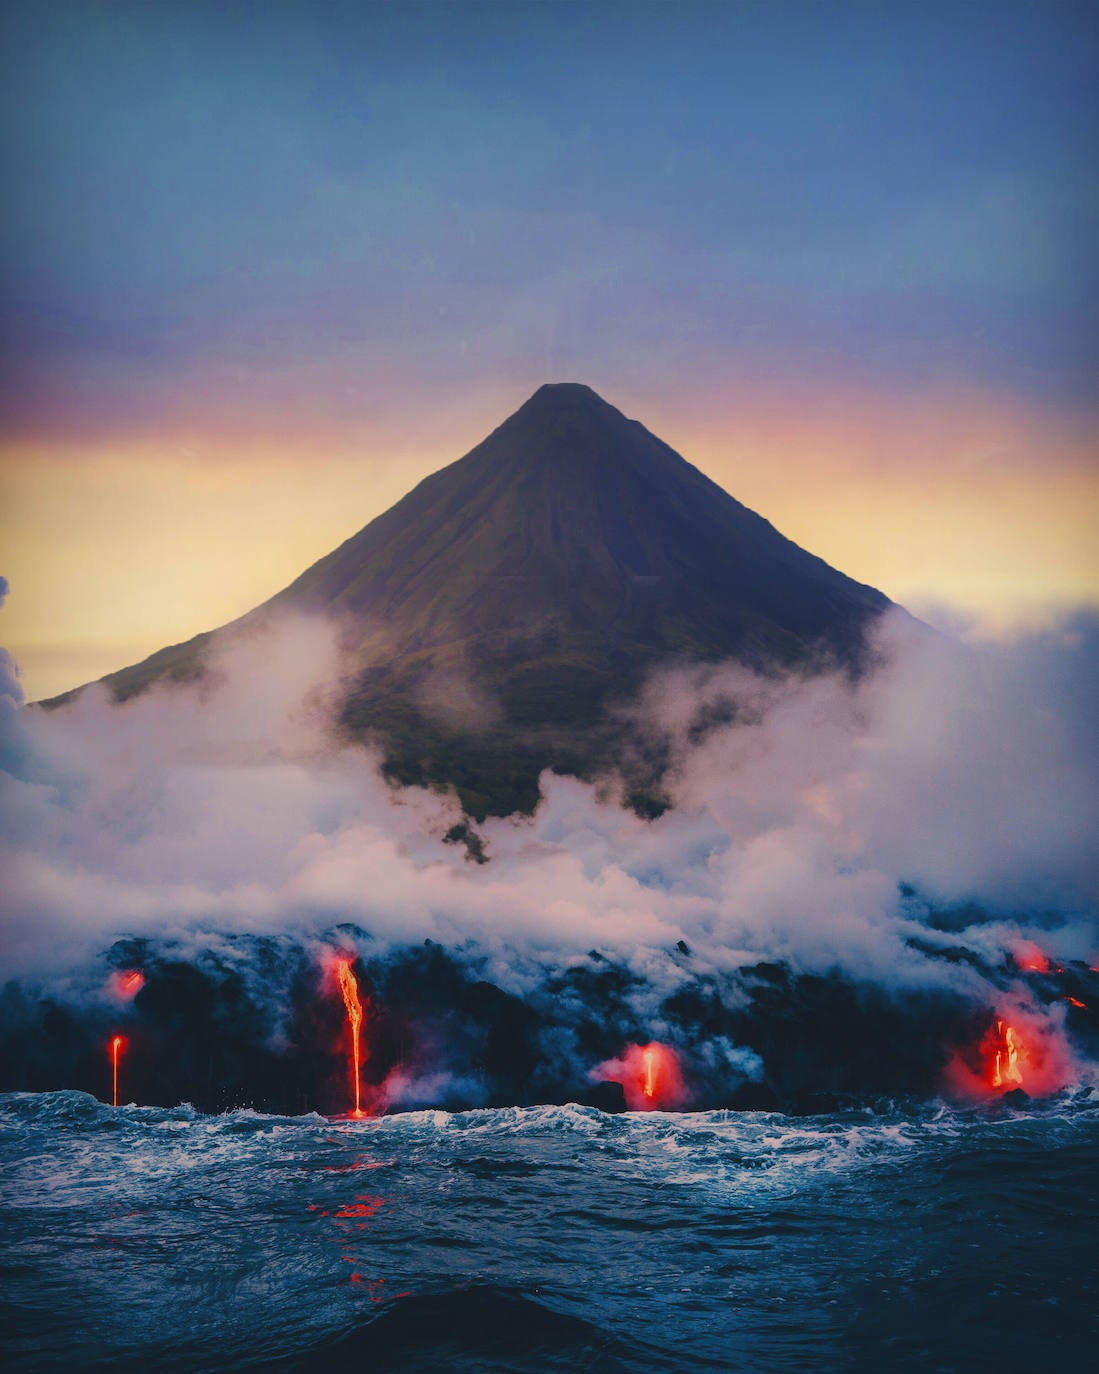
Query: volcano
493, 618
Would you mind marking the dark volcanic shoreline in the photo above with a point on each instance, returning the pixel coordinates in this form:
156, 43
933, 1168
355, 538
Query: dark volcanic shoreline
255, 1024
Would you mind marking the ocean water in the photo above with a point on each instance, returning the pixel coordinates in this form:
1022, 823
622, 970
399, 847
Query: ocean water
911, 1238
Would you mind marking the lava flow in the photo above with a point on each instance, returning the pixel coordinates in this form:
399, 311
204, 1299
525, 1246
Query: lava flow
126, 983
350, 990
116, 1049
1005, 1063
649, 1087
1024, 1049
1029, 957
650, 1075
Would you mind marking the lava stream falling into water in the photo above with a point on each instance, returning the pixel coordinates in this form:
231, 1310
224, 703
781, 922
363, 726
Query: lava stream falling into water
350, 990
1006, 1063
116, 1050
651, 1077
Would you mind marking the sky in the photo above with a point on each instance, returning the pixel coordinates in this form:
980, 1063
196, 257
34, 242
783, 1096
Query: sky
264, 266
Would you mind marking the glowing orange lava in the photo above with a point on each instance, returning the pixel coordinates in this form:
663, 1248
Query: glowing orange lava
651, 1077
1029, 957
1075, 1002
350, 990
126, 983
1023, 1047
1005, 1064
648, 1058
116, 1049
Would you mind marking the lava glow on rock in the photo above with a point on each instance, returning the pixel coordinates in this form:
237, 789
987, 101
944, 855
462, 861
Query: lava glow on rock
1029, 957
125, 983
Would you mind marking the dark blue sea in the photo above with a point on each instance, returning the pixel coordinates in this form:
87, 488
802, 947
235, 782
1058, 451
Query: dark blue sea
916, 1237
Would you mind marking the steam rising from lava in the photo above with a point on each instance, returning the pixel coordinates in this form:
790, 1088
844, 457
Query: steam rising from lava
125, 983
1025, 1046
650, 1076
887, 832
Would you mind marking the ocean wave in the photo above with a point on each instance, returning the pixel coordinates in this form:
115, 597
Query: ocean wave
472, 1327
544, 1238
888, 1121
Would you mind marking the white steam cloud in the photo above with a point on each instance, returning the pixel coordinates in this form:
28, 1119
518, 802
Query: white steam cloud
968, 773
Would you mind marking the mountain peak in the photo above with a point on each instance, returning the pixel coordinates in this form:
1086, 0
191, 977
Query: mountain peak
566, 393
569, 402
522, 594
565, 428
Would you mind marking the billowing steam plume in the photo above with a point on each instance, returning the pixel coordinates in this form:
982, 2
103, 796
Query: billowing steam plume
842, 898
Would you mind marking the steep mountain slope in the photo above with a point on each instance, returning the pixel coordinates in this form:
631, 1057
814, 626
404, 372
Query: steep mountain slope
491, 616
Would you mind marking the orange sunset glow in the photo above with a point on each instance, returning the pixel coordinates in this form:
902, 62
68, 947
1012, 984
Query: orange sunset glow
985, 507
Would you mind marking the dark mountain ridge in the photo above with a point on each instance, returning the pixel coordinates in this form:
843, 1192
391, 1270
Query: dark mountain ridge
490, 617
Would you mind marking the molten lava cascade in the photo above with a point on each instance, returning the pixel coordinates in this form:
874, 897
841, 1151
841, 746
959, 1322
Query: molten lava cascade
350, 991
1005, 1063
116, 1050
650, 1073
1025, 1048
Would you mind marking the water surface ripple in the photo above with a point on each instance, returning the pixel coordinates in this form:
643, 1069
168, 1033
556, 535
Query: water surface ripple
553, 1238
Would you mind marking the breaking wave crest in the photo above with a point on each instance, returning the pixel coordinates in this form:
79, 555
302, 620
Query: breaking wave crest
547, 1238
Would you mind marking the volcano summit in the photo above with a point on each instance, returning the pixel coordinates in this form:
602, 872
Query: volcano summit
494, 618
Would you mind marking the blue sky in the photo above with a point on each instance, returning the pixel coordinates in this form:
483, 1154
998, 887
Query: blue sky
884, 190
840, 255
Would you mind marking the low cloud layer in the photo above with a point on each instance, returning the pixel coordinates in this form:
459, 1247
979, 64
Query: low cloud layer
830, 826
965, 773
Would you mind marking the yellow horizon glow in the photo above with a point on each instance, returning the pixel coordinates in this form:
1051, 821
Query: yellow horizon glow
973, 502
113, 554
